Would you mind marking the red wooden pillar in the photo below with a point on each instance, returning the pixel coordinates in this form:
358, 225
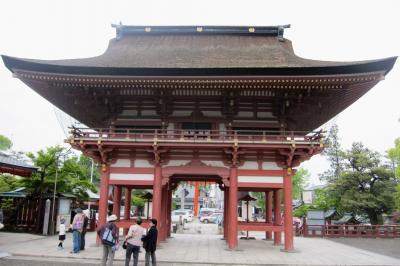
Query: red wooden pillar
117, 201
277, 216
163, 221
127, 203
103, 201
157, 195
268, 212
288, 216
232, 221
169, 210
196, 198
127, 206
225, 237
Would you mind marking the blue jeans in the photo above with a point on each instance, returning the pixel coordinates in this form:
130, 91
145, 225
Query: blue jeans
76, 241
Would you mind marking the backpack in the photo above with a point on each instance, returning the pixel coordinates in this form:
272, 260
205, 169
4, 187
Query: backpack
107, 238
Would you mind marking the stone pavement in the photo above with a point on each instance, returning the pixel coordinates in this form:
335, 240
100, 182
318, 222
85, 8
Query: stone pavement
185, 249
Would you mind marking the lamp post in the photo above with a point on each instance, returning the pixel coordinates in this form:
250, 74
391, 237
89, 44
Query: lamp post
148, 196
91, 181
52, 224
247, 198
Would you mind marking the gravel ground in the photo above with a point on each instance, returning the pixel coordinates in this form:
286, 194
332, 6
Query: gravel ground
388, 247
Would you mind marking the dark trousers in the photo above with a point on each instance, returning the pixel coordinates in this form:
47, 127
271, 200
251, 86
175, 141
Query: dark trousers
151, 254
132, 250
83, 240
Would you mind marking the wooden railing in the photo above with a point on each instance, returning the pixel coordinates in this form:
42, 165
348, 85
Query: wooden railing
197, 136
363, 231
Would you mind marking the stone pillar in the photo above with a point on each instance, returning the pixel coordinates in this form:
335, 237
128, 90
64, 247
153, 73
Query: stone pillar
288, 216
103, 201
277, 216
268, 212
157, 195
117, 201
232, 223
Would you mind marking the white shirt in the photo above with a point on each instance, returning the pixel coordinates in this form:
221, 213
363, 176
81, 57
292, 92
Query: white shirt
135, 235
62, 229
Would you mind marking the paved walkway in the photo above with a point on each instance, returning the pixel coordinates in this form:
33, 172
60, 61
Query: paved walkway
184, 249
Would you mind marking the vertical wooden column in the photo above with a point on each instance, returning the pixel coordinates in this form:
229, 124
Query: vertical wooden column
169, 210
127, 206
288, 216
268, 212
117, 201
277, 216
232, 222
163, 221
103, 201
157, 195
226, 215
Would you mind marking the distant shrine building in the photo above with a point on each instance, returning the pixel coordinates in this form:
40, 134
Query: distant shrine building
230, 105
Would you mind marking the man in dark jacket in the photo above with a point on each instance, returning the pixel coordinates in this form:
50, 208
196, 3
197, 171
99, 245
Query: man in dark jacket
150, 243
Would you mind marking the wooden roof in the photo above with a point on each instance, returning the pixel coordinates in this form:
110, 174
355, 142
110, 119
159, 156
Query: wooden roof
188, 51
240, 69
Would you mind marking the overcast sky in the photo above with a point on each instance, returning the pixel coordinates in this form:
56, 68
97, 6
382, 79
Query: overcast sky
324, 30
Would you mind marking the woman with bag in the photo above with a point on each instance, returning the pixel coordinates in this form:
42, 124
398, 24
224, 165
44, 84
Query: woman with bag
108, 235
133, 242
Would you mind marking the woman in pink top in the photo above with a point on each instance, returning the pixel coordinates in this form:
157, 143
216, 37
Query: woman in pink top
133, 239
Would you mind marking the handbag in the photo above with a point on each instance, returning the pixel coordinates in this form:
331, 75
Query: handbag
124, 245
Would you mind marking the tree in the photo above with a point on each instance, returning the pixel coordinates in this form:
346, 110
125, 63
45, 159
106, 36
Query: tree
299, 181
7, 182
5, 143
394, 156
364, 185
334, 154
72, 176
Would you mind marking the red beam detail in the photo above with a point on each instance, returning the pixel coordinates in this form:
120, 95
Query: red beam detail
243, 226
259, 185
260, 172
132, 170
148, 184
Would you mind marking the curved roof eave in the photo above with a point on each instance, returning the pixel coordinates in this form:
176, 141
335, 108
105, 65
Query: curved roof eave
385, 64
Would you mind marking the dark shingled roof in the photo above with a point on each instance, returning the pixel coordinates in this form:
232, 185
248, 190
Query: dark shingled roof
9, 164
225, 50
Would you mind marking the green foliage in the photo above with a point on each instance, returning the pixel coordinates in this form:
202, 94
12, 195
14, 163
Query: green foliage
72, 174
364, 186
5, 143
397, 197
299, 181
324, 200
394, 155
7, 205
137, 199
334, 154
301, 211
260, 196
7, 182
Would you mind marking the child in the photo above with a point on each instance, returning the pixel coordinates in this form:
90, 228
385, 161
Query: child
61, 233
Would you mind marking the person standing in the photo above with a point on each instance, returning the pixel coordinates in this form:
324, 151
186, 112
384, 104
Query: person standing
61, 233
108, 234
133, 241
150, 243
77, 227
84, 229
